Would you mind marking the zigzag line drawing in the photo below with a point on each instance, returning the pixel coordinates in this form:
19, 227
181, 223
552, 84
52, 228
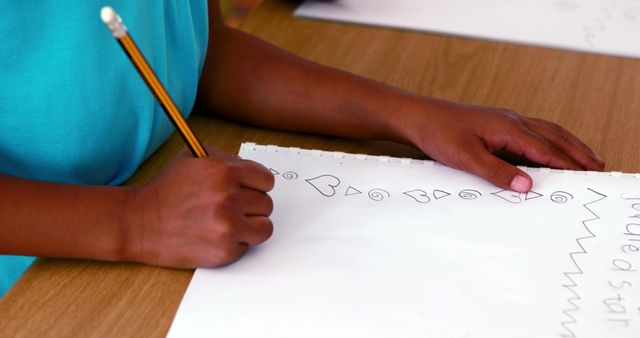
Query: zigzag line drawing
575, 296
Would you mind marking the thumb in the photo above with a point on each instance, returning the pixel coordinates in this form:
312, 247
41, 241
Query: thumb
482, 163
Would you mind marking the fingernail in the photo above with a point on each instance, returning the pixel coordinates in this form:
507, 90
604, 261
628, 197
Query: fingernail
520, 184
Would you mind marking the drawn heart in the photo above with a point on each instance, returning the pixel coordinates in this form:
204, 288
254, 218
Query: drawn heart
419, 195
325, 184
509, 196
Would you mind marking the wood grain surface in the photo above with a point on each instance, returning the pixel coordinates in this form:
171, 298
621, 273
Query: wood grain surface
596, 97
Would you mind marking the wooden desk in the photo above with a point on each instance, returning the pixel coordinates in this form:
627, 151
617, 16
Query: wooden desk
597, 97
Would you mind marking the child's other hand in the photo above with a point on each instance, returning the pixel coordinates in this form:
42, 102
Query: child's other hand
465, 137
201, 212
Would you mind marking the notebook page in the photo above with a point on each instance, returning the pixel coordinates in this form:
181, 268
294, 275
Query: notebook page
383, 247
598, 26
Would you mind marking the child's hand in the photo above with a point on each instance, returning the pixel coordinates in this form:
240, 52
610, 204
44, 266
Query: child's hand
465, 137
201, 212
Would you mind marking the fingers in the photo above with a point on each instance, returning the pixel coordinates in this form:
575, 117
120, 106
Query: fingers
552, 146
479, 161
538, 149
568, 143
250, 221
250, 174
254, 175
252, 205
241, 234
540, 141
255, 203
256, 230
249, 231
257, 227
210, 210
229, 245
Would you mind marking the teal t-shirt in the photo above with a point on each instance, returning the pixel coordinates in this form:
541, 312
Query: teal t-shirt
72, 106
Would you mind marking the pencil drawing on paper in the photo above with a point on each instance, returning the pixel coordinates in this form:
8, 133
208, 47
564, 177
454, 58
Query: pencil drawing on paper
509, 196
378, 194
600, 23
567, 249
290, 175
328, 184
566, 5
515, 197
601, 26
532, 195
438, 194
469, 194
325, 184
612, 14
572, 286
352, 191
561, 197
418, 195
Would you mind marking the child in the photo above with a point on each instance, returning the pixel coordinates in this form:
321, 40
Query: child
77, 120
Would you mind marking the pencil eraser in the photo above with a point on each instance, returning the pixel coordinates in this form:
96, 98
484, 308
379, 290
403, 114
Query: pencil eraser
107, 14
113, 21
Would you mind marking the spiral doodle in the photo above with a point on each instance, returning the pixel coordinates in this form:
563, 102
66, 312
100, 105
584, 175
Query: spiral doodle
469, 194
561, 197
290, 175
378, 194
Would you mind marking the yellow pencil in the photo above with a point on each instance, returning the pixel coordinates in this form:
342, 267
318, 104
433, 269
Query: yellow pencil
117, 27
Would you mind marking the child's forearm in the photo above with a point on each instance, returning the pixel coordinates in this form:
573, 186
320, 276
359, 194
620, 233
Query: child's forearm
61, 220
249, 80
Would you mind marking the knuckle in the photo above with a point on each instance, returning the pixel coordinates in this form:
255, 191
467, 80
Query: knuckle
225, 254
511, 118
510, 114
223, 203
224, 171
225, 230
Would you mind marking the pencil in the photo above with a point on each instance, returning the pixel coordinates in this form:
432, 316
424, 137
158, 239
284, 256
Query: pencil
119, 31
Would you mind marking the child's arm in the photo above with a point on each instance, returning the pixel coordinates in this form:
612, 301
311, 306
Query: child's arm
198, 212
249, 80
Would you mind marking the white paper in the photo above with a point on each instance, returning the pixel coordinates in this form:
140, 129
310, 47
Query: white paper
382, 247
599, 26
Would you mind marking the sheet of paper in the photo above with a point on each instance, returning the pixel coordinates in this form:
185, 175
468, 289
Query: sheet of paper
383, 247
599, 26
